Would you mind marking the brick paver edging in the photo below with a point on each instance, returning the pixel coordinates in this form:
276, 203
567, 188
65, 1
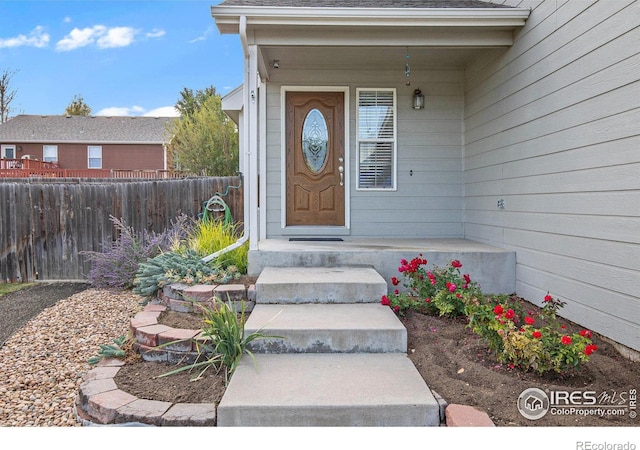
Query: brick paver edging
101, 402
160, 343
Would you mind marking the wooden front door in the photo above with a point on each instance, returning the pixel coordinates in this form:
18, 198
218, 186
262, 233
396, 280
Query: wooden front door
315, 159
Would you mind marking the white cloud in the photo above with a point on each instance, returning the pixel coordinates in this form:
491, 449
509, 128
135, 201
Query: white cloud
203, 37
165, 111
68, 19
37, 38
117, 37
100, 35
80, 38
156, 33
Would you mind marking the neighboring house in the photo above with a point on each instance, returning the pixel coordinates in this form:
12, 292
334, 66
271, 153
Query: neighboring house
529, 138
95, 142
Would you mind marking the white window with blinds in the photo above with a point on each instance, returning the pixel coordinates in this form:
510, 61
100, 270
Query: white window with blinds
376, 146
94, 153
50, 153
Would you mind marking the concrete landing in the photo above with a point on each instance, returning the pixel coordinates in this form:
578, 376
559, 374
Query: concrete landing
493, 267
328, 390
286, 285
327, 328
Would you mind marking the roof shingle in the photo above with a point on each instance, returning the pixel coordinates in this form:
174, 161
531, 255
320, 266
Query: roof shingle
94, 129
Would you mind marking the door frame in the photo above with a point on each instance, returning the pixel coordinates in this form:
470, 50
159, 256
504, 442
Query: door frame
314, 230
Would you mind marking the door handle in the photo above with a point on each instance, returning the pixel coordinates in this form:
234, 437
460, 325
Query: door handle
341, 171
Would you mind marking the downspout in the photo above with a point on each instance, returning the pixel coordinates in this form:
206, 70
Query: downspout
246, 163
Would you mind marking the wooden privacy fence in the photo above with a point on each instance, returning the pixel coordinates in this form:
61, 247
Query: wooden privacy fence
46, 224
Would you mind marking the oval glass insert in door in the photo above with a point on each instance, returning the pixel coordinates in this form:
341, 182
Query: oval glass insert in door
315, 140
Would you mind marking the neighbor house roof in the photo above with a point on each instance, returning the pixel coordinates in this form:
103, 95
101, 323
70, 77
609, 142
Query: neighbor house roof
365, 3
80, 129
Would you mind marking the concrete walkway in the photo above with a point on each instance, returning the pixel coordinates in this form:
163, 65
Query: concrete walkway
340, 361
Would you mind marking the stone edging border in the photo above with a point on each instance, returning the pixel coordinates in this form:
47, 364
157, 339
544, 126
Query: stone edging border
101, 402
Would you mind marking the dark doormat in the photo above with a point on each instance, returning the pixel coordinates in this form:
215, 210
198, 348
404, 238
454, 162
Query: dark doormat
316, 239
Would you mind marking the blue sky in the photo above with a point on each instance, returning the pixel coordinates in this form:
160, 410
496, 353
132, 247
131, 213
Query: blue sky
123, 57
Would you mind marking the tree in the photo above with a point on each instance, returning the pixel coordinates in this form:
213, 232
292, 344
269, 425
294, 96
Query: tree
189, 102
205, 140
6, 94
78, 107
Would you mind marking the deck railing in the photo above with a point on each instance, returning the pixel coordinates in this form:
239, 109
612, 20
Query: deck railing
25, 168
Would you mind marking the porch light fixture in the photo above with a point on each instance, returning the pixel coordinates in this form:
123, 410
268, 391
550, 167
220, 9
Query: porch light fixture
418, 99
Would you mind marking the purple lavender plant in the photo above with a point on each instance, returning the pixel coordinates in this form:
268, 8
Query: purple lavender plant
116, 265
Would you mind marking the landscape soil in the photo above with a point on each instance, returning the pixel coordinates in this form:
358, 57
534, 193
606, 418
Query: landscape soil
454, 362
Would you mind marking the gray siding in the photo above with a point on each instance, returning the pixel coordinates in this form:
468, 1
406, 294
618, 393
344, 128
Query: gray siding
426, 204
552, 126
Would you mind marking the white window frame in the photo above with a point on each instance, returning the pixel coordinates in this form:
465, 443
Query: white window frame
46, 158
7, 147
391, 140
89, 157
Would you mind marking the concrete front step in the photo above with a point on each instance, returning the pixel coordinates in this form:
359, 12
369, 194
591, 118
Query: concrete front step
363, 389
327, 328
285, 285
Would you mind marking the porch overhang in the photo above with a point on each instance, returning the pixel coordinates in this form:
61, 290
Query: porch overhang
504, 19
291, 33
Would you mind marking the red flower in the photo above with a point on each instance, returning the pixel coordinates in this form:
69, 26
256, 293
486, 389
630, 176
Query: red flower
395, 281
455, 263
467, 278
385, 301
589, 349
498, 309
566, 340
536, 334
586, 333
451, 286
396, 308
427, 300
547, 298
563, 326
509, 314
529, 320
396, 292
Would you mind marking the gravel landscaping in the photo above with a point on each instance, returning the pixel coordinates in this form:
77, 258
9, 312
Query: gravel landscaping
43, 363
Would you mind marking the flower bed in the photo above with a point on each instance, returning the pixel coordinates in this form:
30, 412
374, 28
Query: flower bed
529, 340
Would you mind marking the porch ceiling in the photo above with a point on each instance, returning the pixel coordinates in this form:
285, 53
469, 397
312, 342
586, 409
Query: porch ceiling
385, 57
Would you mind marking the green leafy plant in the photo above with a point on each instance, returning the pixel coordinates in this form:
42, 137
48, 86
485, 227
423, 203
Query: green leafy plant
222, 341
210, 236
119, 349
